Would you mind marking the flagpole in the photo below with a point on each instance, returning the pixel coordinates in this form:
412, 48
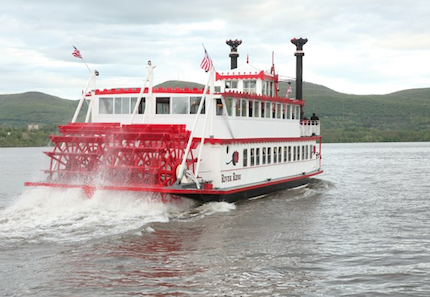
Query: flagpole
86, 65
77, 54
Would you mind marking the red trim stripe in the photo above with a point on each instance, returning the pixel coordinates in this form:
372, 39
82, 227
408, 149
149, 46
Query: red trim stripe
256, 75
241, 95
259, 140
167, 190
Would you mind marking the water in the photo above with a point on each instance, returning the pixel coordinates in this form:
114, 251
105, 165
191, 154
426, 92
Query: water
360, 229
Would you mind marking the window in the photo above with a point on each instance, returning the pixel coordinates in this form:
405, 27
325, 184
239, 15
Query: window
125, 107
245, 157
231, 84
257, 109
162, 105
279, 154
219, 107
252, 157
106, 105
268, 88
250, 86
257, 156
264, 156
288, 111
194, 105
262, 109
117, 106
237, 101
285, 153
180, 105
294, 153
297, 112
244, 107
269, 155
141, 108
229, 105
289, 154
278, 110
268, 109
275, 155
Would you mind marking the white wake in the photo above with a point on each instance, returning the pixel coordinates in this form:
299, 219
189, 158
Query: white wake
60, 215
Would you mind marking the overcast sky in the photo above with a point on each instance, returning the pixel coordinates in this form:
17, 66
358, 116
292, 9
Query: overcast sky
355, 46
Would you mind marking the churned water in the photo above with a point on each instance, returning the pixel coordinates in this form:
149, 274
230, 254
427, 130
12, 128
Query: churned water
360, 229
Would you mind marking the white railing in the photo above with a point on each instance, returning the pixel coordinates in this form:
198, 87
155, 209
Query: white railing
310, 128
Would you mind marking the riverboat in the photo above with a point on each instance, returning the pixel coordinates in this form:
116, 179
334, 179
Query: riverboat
234, 139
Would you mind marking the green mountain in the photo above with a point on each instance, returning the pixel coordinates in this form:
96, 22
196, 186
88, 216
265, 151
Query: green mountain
35, 108
399, 116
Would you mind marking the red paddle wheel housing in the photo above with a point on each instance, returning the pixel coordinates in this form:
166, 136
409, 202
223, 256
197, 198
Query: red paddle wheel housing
114, 154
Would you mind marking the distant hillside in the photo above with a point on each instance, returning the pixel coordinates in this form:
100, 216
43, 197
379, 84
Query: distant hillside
342, 114
35, 108
404, 110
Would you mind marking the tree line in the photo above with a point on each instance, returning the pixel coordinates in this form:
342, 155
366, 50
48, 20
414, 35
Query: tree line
23, 137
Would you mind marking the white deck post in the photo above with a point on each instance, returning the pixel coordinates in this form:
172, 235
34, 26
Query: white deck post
142, 90
84, 94
149, 104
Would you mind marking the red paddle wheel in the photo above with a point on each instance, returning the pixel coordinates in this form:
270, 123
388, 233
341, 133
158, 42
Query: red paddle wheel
114, 154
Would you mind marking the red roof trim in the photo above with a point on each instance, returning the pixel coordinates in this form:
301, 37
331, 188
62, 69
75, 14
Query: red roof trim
154, 90
256, 75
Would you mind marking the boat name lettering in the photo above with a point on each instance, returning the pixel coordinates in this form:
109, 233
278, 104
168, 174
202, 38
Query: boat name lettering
229, 178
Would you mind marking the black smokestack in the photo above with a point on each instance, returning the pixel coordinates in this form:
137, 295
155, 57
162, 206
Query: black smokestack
233, 53
299, 65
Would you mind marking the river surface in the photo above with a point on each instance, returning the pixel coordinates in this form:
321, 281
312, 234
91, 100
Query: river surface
359, 229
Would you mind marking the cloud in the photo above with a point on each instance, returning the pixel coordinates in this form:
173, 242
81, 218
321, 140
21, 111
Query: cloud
354, 46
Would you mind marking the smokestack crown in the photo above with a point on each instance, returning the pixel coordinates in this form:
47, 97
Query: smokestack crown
234, 44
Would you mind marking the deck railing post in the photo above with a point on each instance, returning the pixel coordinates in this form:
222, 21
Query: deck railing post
93, 76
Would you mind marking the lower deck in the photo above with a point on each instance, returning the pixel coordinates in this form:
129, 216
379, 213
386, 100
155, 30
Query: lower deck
235, 164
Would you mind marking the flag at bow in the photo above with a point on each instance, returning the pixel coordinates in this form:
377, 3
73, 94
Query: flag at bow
206, 63
76, 53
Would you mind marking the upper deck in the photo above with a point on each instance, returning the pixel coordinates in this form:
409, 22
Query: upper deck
240, 103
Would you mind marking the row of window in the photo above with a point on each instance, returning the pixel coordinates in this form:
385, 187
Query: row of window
258, 109
277, 154
164, 105
189, 105
250, 86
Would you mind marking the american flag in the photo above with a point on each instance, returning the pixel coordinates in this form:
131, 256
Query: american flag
206, 63
76, 53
